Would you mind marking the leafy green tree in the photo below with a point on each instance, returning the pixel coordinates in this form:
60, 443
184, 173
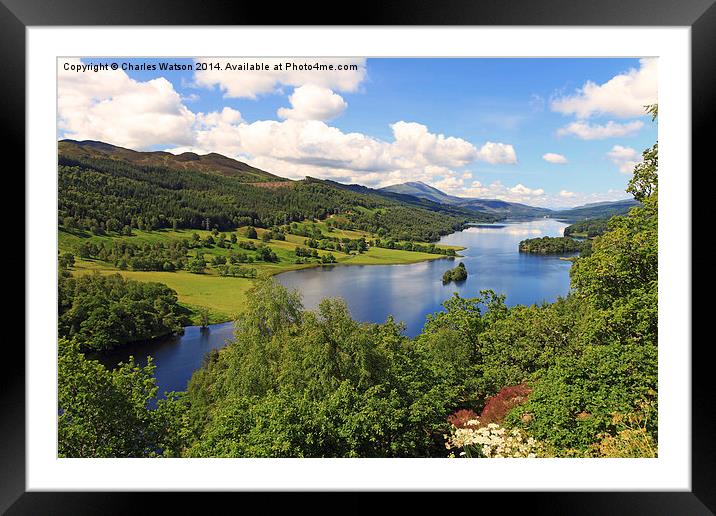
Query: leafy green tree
314, 384
204, 317
459, 273
197, 264
66, 260
102, 312
615, 370
105, 414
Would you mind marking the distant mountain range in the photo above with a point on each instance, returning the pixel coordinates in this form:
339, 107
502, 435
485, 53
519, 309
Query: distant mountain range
500, 208
596, 210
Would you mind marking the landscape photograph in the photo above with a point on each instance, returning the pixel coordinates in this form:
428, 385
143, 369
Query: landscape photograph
310, 257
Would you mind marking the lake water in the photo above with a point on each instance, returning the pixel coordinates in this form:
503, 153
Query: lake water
408, 292
176, 357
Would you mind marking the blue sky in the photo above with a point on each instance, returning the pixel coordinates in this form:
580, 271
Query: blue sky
547, 132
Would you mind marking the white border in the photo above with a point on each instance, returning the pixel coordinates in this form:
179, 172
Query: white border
670, 471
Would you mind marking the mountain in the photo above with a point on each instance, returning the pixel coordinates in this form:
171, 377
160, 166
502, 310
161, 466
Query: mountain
103, 188
418, 202
597, 210
494, 207
420, 189
211, 163
505, 209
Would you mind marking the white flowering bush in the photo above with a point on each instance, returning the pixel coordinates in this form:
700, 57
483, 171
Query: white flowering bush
490, 441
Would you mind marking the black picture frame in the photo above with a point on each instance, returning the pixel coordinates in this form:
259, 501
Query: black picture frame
700, 15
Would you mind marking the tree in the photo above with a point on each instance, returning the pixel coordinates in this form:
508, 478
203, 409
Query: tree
251, 232
197, 264
204, 317
315, 384
66, 260
459, 273
105, 414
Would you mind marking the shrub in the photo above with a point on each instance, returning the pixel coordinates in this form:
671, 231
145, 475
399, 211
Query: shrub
499, 405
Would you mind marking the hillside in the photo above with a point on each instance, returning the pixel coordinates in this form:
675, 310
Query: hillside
211, 163
597, 210
103, 188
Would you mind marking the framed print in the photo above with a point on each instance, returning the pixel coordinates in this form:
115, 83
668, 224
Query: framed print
426, 251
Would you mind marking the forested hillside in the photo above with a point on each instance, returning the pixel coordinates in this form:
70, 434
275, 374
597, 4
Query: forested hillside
597, 210
210, 163
108, 193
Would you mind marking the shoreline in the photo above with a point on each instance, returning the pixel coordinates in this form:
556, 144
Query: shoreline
222, 296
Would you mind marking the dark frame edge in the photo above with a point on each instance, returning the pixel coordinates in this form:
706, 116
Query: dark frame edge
703, 108
701, 500
12, 382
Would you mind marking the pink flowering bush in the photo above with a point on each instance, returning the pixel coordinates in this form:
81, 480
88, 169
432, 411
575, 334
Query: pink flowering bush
499, 405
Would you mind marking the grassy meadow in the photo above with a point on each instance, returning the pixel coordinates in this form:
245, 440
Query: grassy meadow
224, 296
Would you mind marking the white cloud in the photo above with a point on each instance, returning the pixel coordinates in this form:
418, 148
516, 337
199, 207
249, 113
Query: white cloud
497, 153
625, 158
520, 189
536, 103
250, 84
586, 131
226, 116
416, 145
496, 190
310, 102
552, 157
112, 107
449, 184
535, 196
624, 95
299, 148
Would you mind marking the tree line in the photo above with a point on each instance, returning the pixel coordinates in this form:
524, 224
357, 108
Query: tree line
550, 245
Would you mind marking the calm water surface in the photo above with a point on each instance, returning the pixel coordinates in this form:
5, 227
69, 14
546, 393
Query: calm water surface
408, 292
177, 357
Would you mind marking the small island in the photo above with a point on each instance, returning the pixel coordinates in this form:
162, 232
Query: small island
459, 273
551, 245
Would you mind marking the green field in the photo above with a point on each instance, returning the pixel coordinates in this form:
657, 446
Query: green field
224, 297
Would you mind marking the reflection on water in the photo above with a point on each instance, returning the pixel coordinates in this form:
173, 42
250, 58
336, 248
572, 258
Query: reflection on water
410, 292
